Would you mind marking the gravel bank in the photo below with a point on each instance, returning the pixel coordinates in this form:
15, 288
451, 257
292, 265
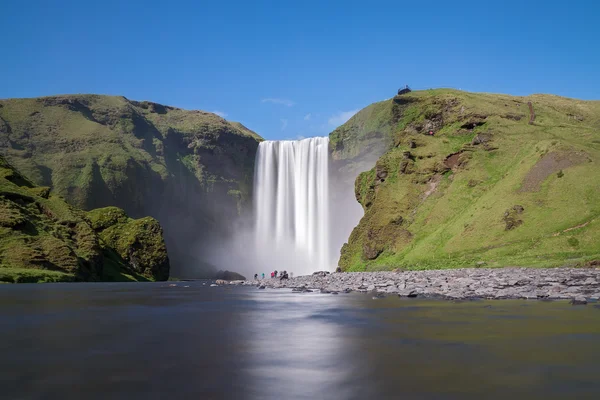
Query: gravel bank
503, 283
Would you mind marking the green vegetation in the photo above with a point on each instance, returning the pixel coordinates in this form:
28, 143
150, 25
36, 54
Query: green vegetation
192, 170
487, 186
44, 239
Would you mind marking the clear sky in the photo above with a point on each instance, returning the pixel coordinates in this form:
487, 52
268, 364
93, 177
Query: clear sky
292, 69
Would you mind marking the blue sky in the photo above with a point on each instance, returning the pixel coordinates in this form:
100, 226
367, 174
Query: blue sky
296, 69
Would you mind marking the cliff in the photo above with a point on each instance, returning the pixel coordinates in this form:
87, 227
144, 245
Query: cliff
464, 179
191, 170
44, 239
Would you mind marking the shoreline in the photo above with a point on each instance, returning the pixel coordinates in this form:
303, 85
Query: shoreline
576, 284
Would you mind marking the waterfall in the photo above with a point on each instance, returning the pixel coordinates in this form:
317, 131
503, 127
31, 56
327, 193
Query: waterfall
291, 204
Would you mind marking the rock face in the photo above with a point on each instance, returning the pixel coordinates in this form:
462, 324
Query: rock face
447, 178
139, 242
42, 238
192, 170
500, 283
229, 276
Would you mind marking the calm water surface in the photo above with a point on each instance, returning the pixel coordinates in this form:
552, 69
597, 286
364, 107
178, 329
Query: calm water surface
152, 341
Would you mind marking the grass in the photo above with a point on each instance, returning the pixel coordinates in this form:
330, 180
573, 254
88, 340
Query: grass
44, 239
23, 275
145, 158
91, 148
460, 222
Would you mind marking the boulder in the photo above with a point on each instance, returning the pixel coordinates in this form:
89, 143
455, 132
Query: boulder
579, 301
229, 276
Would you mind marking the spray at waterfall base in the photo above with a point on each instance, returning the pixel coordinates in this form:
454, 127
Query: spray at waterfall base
293, 214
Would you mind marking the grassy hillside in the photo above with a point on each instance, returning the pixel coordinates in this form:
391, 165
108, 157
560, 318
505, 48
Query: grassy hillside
489, 187
191, 170
44, 239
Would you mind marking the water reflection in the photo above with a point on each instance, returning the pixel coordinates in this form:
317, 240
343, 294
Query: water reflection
154, 341
295, 348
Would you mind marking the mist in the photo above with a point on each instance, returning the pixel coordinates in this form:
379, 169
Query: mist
276, 233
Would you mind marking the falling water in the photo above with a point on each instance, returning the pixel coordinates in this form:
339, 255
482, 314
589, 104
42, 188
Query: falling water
292, 203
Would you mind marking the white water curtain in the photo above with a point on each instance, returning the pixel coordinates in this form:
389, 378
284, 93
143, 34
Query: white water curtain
291, 200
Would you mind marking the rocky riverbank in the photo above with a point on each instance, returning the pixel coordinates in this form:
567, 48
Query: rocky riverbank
579, 285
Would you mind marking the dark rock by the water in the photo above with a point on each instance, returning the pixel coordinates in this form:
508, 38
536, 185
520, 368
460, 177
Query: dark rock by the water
302, 289
579, 301
229, 276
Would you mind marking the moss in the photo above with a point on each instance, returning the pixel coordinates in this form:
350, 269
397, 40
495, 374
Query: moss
140, 243
40, 191
43, 239
23, 275
102, 218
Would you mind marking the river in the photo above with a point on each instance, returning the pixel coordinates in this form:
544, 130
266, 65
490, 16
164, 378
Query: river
155, 341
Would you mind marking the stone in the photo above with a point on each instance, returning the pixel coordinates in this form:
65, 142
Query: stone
579, 301
229, 276
507, 283
408, 293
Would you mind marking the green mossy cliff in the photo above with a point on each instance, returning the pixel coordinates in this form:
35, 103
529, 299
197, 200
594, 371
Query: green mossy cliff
494, 185
44, 239
192, 170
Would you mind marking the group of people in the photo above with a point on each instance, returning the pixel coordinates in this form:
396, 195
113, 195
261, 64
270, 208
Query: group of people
275, 274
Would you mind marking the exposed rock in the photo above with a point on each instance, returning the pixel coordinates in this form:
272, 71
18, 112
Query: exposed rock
481, 138
454, 161
579, 301
512, 217
229, 276
548, 164
474, 121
